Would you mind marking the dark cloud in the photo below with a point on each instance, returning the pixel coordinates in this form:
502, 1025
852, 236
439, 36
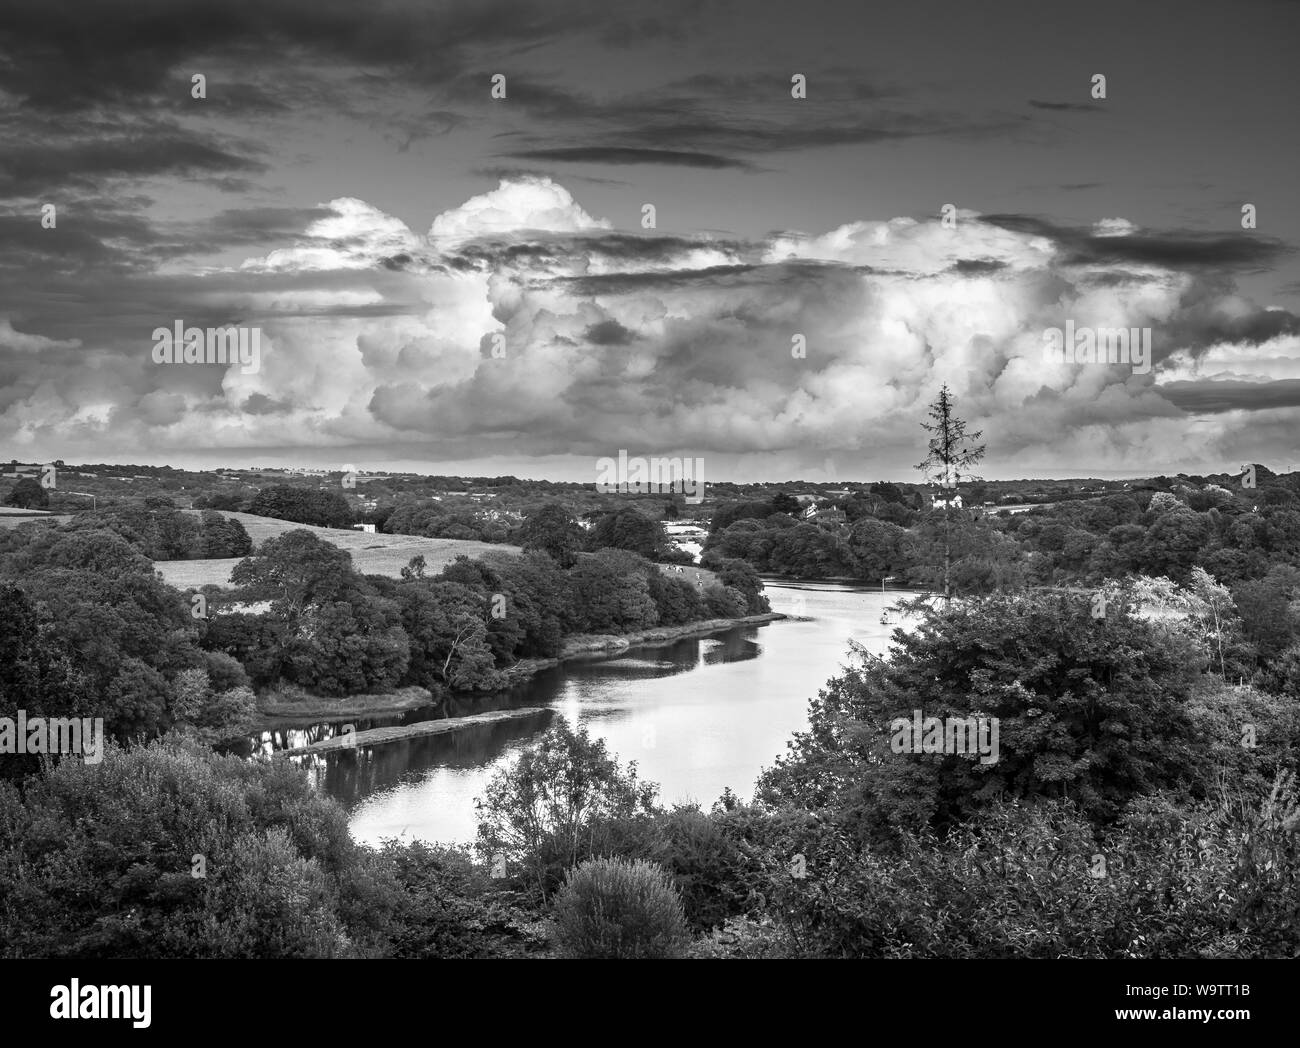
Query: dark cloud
509, 172
553, 249
1219, 396
40, 168
261, 404
1068, 107
625, 155
977, 265
608, 333
93, 234
125, 51
834, 274
1178, 250
707, 119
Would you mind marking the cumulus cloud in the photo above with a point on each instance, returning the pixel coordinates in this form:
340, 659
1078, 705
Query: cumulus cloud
529, 203
525, 328
352, 235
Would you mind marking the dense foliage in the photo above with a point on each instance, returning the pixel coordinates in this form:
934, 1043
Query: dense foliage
1143, 800
616, 909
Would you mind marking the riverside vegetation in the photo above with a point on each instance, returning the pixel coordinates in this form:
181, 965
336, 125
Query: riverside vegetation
1144, 803
1125, 817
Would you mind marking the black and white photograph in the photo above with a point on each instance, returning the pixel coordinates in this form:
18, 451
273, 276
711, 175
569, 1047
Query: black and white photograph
702, 480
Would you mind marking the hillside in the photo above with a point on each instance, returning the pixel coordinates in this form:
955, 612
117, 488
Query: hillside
371, 554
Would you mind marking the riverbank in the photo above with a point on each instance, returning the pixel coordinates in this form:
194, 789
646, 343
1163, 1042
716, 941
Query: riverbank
697, 716
286, 704
377, 736
608, 645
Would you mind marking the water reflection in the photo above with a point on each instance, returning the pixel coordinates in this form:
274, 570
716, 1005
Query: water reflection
349, 775
697, 715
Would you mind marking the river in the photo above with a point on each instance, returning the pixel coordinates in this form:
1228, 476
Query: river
698, 715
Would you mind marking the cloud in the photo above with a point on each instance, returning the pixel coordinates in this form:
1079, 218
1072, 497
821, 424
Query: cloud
384, 342
536, 204
12, 341
1178, 250
41, 164
629, 155
1068, 107
349, 234
126, 52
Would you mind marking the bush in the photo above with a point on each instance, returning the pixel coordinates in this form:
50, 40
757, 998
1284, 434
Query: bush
556, 806
435, 903
724, 602
612, 908
169, 850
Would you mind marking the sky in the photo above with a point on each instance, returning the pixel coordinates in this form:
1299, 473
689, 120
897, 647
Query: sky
445, 281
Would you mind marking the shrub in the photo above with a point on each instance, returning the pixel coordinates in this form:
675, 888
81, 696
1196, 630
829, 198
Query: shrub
102, 860
613, 908
434, 902
553, 806
724, 602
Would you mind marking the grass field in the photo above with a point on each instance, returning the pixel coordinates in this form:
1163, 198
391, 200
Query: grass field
11, 516
371, 554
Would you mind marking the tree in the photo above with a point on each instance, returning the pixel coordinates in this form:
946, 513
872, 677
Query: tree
629, 529
1269, 610
1210, 606
553, 531
544, 809
444, 622
877, 548
951, 452
223, 536
888, 491
293, 570
326, 509
737, 575
99, 860
1091, 711
784, 502
97, 599
724, 602
730, 512
538, 600
28, 494
611, 593
339, 634
35, 674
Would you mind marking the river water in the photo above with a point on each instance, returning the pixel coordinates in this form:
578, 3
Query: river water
698, 715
